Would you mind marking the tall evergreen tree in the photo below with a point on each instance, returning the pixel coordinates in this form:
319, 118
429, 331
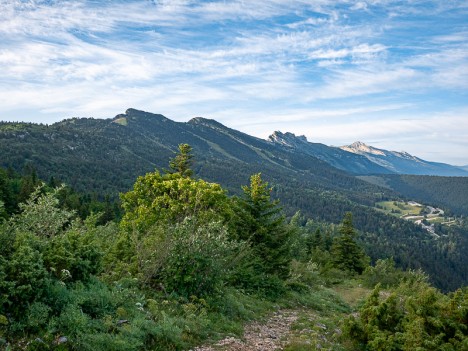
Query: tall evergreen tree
347, 254
263, 225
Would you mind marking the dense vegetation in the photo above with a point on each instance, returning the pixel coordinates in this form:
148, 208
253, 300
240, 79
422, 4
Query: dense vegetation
185, 263
16, 189
404, 312
101, 158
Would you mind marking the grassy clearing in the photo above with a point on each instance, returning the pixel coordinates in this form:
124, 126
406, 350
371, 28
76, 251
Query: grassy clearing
319, 322
441, 220
314, 331
398, 208
353, 292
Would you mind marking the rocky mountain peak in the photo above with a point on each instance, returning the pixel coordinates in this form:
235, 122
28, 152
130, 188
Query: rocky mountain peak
287, 139
358, 147
135, 114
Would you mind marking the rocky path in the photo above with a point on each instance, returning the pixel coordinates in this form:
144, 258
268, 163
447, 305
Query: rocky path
272, 335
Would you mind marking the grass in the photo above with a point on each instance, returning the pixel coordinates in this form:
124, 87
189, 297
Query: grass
353, 292
319, 322
441, 220
122, 121
399, 208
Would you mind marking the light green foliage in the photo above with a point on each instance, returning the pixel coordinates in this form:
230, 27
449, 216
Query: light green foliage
40, 214
38, 247
413, 316
304, 275
159, 240
383, 272
170, 198
67, 247
188, 258
347, 255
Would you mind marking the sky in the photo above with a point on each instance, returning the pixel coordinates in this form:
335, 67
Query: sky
393, 74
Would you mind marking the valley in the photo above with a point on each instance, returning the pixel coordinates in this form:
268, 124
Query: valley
423, 215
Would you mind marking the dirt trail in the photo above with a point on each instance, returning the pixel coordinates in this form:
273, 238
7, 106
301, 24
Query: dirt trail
259, 337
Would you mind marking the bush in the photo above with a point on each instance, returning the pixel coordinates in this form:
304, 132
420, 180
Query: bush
188, 258
304, 275
384, 272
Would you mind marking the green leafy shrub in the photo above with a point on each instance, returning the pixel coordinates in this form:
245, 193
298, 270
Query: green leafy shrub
24, 279
304, 275
74, 255
191, 259
170, 198
383, 272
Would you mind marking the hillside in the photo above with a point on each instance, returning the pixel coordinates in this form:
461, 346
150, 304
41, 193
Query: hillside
106, 156
449, 192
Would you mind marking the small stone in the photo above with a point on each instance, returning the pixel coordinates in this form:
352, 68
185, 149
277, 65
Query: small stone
122, 321
62, 340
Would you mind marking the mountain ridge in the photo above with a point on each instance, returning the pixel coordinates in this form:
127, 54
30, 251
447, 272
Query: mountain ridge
346, 161
401, 162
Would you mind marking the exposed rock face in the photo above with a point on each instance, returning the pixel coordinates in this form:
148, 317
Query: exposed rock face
287, 139
359, 147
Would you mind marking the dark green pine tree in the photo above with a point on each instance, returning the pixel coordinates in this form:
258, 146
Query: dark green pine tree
6, 194
263, 225
29, 183
347, 255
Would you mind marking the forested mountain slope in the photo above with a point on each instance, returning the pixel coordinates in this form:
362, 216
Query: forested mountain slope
449, 192
106, 156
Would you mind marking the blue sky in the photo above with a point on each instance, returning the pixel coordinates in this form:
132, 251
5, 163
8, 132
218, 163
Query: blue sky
393, 74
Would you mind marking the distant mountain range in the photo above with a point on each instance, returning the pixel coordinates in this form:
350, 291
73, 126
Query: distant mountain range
403, 162
362, 159
336, 157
